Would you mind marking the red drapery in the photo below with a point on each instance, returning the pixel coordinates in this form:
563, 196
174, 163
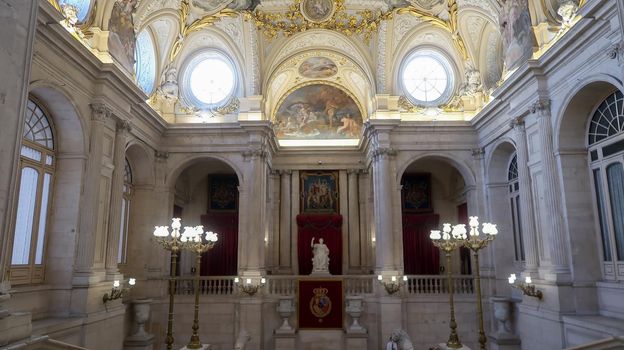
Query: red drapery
326, 226
222, 259
420, 256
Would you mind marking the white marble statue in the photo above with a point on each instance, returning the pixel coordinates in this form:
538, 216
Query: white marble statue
242, 339
320, 257
399, 340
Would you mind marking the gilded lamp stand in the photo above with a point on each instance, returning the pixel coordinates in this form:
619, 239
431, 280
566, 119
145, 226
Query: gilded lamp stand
447, 244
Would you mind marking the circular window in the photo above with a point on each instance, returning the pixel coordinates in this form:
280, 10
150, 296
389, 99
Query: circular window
427, 78
209, 80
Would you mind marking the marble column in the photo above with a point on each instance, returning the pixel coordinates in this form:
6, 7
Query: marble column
90, 237
285, 244
273, 203
354, 238
117, 190
555, 231
18, 20
383, 188
527, 219
252, 240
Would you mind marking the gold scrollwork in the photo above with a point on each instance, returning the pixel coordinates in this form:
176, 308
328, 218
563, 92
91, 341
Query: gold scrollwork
450, 25
293, 21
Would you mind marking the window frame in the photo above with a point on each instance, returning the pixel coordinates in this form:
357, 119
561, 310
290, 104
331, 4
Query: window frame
447, 63
191, 63
122, 252
611, 270
513, 195
33, 273
155, 82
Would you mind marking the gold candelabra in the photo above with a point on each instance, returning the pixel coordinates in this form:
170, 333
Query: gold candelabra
191, 239
117, 292
251, 286
394, 285
527, 287
476, 242
448, 243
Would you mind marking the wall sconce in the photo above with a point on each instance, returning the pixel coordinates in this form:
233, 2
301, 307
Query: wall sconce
526, 287
117, 292
394, 285
251, 285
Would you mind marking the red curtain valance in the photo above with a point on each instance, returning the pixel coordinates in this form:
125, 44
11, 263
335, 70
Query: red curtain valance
326, 226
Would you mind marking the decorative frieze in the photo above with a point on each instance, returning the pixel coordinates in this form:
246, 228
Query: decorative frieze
100, 112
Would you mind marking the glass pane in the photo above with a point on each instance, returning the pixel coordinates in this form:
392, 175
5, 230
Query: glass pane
425, 77
602, 219
43, 215
514, 226
49, 160
37, 127
122, 232
212, 80
607, 121
25, 216
30, 153
615, 178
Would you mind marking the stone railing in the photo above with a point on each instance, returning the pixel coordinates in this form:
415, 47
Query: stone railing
462, 284
278, 285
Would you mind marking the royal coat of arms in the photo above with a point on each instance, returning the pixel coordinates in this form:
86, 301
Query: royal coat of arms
320, 304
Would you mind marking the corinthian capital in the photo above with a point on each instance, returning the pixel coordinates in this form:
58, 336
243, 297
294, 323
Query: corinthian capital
541, 107
100, 112
383, 153
123, 126
517, 123
254, 153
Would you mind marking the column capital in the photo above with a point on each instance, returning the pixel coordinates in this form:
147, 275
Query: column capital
100, 112
354, 171
517, 123
253, 153
541, 107
478, 153
284, 172
161, 156
383, 153
616, 51
123, 126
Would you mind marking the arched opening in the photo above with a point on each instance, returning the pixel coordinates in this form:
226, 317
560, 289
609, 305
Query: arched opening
503, 190
433, 192
206, 193
584, 182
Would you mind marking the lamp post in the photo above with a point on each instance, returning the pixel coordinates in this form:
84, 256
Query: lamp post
172, 243
447, 243
476, 242
192, 240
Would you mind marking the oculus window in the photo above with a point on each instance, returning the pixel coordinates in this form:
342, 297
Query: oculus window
209, 80
427, 78
145, 62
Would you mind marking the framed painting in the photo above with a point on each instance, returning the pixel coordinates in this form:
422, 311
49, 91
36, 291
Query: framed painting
319, 191
222, 193
416, 193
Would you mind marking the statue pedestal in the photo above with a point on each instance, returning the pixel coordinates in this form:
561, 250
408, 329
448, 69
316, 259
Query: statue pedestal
285, 341
320, 273
356, 341
503, 343
442, 346
204, 347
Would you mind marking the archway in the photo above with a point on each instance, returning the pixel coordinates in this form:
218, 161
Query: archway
433, 191
206, 193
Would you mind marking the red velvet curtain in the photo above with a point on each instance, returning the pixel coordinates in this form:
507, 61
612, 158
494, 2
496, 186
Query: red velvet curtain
326, 226
222, 259
464, 253
420, 256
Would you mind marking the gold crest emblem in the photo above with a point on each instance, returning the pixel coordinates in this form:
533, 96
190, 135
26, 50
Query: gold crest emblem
320, 304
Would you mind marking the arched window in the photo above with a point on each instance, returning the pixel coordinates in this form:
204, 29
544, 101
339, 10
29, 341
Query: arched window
37, 162
427, 77
125, 214
83, 8
145, 61
606, 153
514, 202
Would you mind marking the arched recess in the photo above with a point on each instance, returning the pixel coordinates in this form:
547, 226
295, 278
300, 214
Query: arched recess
435, 189
572, 125
206, 192
70, 161
503, 201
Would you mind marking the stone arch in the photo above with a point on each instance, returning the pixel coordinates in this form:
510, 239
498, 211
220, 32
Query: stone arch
71, 146
142, 163
463, 168
570, 141
183, 164
498, 160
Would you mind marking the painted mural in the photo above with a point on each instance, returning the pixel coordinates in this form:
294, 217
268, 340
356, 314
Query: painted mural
121, 39
317, 68
318, 111
515, 25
